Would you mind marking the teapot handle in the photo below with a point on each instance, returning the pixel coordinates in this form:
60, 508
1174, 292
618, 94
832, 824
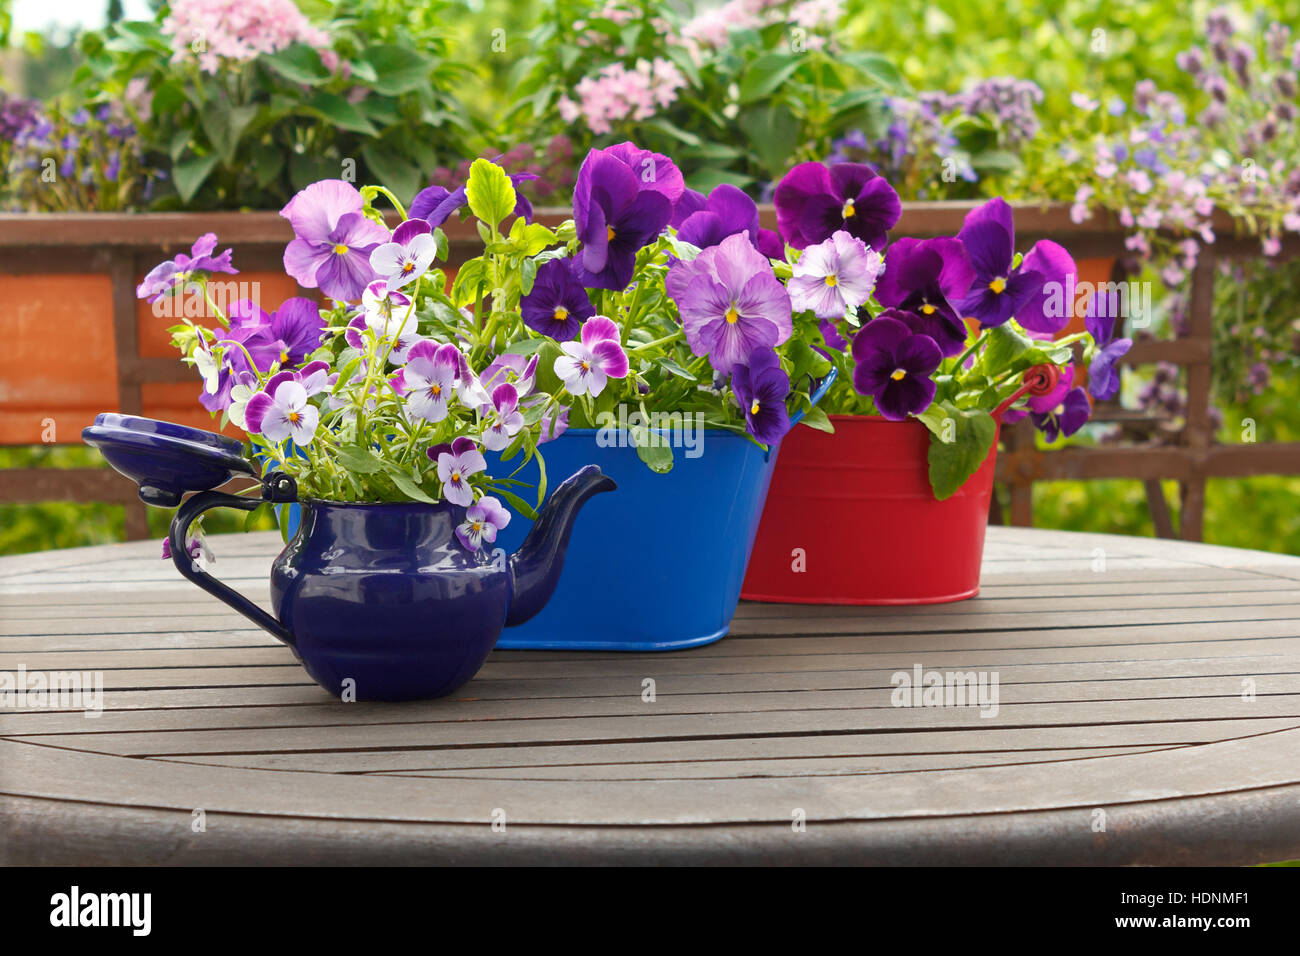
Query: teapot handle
273, 488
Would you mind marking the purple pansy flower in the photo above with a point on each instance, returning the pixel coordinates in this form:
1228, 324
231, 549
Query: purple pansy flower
455, 468
284, 413
333, 241
1065, 418
894, 365
926, 277
557, 304
585, 366
287, 336
428, 379
814, 201
730, 302
834, 276
726, 212
761, 388
407, 256
654, 170
1032, 292
515, 369
770, 244
616, 212
506, 418
688, 203
1103, 375
482, 522
165, 276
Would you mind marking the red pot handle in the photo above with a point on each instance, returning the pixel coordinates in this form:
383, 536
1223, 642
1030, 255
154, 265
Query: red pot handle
1037, 380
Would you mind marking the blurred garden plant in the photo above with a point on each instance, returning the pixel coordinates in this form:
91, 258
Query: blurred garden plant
736, 93
247, 101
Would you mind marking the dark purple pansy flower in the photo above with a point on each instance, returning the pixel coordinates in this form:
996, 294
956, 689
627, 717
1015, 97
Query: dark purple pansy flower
726, 212
558, 304
435, 204
616, 212
761, 387
1064, 419
1103, 375
690, 202
1032, 292
770, 244
814, 201
894, 365
945, 334
926, 276
166, 275
334, 240
654, 170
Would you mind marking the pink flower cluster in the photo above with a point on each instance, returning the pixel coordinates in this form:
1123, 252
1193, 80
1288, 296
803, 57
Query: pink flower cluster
213, 30
617, 93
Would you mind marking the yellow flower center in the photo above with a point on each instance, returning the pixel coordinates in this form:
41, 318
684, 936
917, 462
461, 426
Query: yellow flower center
435, 390
340, 250
609, 233
832, 281
477, 526
294, 418
586, 366
409, 267
732, 316
848, 212
753, 409
928, 309
455, 477
284, 356
898, 375
561, 313
998, 285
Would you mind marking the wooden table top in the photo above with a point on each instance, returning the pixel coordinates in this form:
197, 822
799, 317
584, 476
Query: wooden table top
1148, 712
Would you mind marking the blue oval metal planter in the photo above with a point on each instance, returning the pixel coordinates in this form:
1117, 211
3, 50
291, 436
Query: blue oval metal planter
659, 566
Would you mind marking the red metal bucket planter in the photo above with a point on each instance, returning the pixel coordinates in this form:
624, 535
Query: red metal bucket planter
851, 517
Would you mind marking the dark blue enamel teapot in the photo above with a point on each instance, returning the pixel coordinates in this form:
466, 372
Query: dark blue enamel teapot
378, 601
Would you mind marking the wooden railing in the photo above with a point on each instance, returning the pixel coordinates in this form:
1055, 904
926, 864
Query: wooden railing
123, 247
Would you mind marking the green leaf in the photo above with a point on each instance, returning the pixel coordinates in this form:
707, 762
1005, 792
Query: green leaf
358, 459
470, 277
818, 419
958, 449
652, 449
878, 67
298, 64
191, 173
524, 347
265, 509
408, 486
766, 74
341, 113
527, 275
523, 507
393, 170
490, 193
224, 126
676, 369
773, 133
1008, 349
399, 69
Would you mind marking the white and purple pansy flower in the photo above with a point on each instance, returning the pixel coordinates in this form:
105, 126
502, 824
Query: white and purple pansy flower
482, 522
506, 419
379, 308
587, 365
165, 276
455, 468
407, 256
284, 413
834, 276
428, 379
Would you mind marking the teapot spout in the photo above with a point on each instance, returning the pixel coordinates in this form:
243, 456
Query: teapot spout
535, 567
